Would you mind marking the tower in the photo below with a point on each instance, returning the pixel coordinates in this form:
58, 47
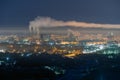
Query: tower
110, 36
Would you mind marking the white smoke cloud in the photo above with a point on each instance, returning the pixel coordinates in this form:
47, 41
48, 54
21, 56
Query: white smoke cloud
50, 22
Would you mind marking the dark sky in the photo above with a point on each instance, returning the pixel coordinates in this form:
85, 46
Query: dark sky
20, 12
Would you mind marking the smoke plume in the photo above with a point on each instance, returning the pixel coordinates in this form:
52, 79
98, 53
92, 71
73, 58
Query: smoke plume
50, 22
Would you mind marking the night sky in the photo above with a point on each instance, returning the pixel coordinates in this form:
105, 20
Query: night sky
19, 12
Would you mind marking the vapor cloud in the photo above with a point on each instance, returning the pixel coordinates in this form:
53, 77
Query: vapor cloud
50, 22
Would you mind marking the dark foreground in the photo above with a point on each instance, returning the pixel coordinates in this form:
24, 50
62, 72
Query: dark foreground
57, 67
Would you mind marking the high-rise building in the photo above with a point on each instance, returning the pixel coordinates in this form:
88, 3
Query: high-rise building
110, 36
